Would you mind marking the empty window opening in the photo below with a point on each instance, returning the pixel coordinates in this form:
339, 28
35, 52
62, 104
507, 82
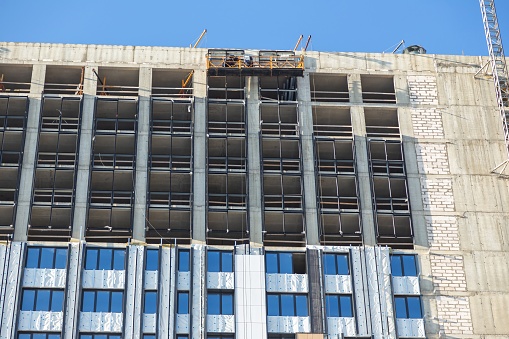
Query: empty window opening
226, 88
227, 227
61, 115
226, 119
115, 81
386, 157
278, 88
13, 120
169, 196
15, 78
281, 155
63, 80
335, 157
176, 83
279, 120
329, 88
332, 122
227, 155
381, 123
378, 89
171, 117
343, 228
282, 192
338, 193
283, 229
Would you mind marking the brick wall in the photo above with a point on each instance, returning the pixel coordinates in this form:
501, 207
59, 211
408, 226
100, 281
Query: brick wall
447, 268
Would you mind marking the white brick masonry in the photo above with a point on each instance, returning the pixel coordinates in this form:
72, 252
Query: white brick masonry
448, 273
437, 194
422, 90
432, 158
454, 315
447, 270
442, 233
427, 123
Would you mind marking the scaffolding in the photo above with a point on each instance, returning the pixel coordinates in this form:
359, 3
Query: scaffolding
169, 198
389, 185
13, 122
113, 159
221, 62
336, 182
57, 161
227, 188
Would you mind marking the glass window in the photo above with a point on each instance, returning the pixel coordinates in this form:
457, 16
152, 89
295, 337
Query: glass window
338, 305
408, 307
184, 337
38, 335
336, 264
104, 259
102, 301
152, 260
46, 257
403, 265
150, 304
287, 304
281, 262
100, 336
42, 300
183, 260
183, 303
149, 336
220, 303
219, 261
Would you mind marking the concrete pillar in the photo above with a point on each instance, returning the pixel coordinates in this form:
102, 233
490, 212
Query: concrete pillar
198, 292
361, 159
141, 182
200, 153
28, 166
71, 316
85, 149
308, 160
253, 156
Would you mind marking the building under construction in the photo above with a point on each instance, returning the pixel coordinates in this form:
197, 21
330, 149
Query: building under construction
150, 192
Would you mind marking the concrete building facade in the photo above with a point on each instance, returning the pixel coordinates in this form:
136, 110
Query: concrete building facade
274, 195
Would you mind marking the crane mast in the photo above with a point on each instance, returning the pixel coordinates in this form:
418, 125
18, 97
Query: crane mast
498, 67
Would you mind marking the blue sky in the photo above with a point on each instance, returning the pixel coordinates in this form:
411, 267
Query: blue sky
440, 26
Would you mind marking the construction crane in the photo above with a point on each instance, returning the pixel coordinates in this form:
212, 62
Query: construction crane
499, 70
187, 80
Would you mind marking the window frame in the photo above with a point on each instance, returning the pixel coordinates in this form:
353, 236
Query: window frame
278, 262
98, 264
221, 295
221, 253
156, 303
339, 306
151, 250
48, 335
407, 309
336, 263
54, 261
403, 267
179, 293
37, 291
93, 335
180, 261
294, 304
110, 296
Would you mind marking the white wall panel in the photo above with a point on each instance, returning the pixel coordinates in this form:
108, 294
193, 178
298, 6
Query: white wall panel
101, 322
10, 289
341, 325
220, 280
411, 328
149, 322
40, 321
288, 324
221, 323
183, 281
338, 284
182, 325
103, 279
44, 277
290, 283
406, 285
151, 280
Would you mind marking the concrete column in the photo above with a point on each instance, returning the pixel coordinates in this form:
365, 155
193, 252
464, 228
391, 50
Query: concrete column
355, 88
85, 149
141, 182
200, 154
308, 160
363, 176
28, 166
71, 315
253, 156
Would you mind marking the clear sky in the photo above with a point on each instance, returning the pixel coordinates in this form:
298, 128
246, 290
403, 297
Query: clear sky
440, 26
